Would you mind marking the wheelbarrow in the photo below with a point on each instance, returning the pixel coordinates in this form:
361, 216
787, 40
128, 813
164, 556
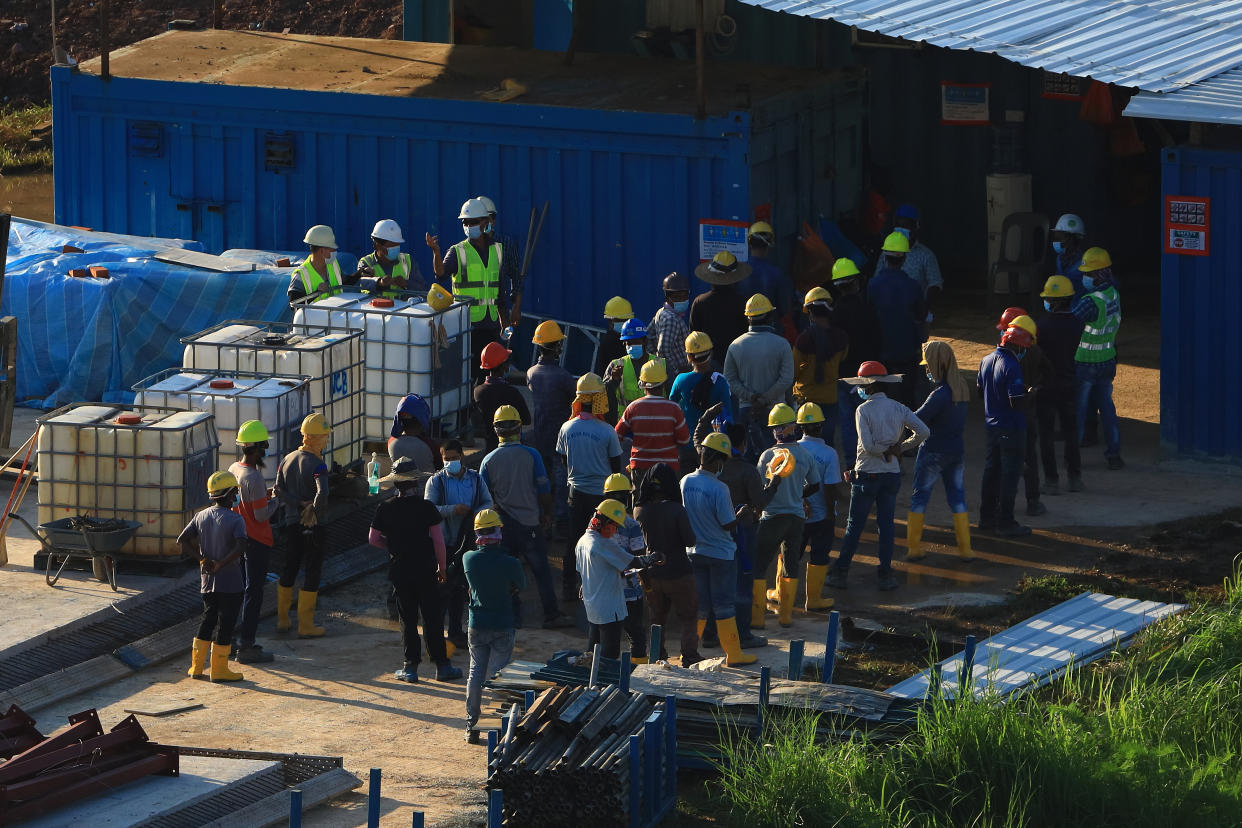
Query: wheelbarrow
83, 538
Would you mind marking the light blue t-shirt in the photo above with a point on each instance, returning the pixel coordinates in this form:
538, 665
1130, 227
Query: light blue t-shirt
587, 444
829, 466
710, 509
788, 497
683, 389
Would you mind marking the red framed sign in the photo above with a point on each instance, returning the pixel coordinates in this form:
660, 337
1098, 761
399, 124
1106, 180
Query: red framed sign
1187, 225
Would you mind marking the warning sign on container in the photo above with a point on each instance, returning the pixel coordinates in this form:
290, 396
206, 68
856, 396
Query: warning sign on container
716, 235
1187, 225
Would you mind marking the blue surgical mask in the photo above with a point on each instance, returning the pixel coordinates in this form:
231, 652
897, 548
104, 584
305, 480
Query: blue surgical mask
1047, 306
1088, 282
634, 351
1021, 354
473, 232
453, 467
617, 326
393, 253
861, 392
1058, 248
682, 307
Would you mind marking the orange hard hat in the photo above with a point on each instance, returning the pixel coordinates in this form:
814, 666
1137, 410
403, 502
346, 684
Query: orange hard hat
494, 355
1017, 336
872, 368
1008, 316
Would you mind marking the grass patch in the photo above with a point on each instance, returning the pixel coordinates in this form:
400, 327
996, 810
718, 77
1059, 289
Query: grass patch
1149, 737
19, 152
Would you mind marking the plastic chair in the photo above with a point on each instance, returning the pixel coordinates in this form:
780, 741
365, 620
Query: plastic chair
1019, 268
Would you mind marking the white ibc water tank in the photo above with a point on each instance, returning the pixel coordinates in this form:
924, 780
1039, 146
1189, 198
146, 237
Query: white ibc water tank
1007, 193
204, 352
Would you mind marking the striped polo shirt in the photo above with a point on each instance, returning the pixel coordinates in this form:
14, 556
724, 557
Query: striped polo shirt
657, 427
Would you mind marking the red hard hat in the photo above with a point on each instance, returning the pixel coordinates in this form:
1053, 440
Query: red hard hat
494, 355
1017, 336
1008, 316
872, 368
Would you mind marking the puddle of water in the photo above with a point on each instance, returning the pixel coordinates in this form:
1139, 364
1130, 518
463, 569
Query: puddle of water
28, 196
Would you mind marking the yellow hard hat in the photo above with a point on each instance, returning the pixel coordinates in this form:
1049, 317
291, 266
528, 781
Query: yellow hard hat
816, 294
763, 230
618, 308
896, 243
589, 383
487, 519
782, 463
1096, 258
314, 425
653, 373
844, 269
718, 442
547, 332
251, 431
617, 482
613, 510
220, 482
1026, 323
759, 305
506, 414
810, 413
1058, 287
780, 415
439, 298
698, 342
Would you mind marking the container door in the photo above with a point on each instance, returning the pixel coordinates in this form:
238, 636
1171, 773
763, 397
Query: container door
205, 163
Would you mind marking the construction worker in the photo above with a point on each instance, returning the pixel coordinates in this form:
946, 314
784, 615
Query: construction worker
759, 369
255, 503
1036, 373
821, 515
669, 589
1060, 333
817, 354
701, 387
1069, 242
496, 391
602, 564
876, 477
666, 335
302, 485
920, 264
493, 576
784, 517
590, 450
852, 313
630, 539
714, 554
516, 477
410, 435
767, 276
319, 275
655, 425
900, 306
507, 242
216, 537
721, 312
621, 379
942, 454
552, 393
1005, 402
1100, 312
392, 270
617, 311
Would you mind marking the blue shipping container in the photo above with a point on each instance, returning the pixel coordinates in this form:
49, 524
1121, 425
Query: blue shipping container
182, 142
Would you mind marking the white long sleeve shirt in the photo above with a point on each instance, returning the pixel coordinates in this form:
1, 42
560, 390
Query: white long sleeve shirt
881, 422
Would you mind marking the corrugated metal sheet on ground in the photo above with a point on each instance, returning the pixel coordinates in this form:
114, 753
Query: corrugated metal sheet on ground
1217, 100
1156, 45
1042, 648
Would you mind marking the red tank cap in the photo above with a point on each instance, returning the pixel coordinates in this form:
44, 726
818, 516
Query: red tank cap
128, 419
221, 383
382, 302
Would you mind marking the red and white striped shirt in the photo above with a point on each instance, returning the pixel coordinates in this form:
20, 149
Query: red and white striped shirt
658, 427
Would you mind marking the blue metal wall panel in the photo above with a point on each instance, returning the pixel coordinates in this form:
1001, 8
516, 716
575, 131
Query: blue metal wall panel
1200, 377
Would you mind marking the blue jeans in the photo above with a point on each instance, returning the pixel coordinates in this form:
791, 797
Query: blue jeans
930, 465
527, 544
715, 581
490, 651
1002, 469
1095, 390
257, 555
868, 489
847, 403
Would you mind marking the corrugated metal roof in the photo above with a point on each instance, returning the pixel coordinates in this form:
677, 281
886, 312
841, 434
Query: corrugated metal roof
1217, 100
1154, 45
1042, 648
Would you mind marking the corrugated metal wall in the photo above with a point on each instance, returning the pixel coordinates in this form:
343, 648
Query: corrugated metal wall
1200, 302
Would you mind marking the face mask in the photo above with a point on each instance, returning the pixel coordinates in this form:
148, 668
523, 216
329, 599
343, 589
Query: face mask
453, 467
1021, 354
473, 232
681, 307
393, 253
1047, 306
1058, 248
861, 392
330, 258
617, 326
634, 351
1088, 282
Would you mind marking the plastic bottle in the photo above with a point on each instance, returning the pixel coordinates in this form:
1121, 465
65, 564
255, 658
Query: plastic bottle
373, 473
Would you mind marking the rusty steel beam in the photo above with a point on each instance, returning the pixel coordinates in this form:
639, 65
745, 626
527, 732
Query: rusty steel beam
162, 760
20, 768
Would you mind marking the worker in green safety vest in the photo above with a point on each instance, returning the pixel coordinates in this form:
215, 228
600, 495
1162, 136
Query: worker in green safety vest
391, 270
320, 274
622, 379
1096, 360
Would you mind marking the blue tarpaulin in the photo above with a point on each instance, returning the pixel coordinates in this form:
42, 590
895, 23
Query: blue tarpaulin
91, 339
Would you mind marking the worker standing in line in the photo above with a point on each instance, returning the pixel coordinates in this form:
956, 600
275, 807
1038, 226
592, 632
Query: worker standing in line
410, 435
408, 527
669, 588
602, 564
821, 516
1060, 332
302, 485
666, 335
552, 393
942, 454
319, 275
655, 424
759, 368
876, 477
817, 354
255, 503
852, 313
617, 311
699, 389
1069, 242
899, 304
1100, 312
767, 277
216, 536
1037, 372
920, 264
630, 539
622, 381
1005, 402
496, 391
783, 520
721, 312
516, 477
392, 270
494, 577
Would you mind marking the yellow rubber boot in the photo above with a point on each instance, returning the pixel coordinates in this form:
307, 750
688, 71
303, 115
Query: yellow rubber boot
726, 628
700, 626
306, 615
774, 595
759, 604
198, 658
789, 592
449, 647
815, 576
914, 536
220, 664
961, 527
284, 602
638, 659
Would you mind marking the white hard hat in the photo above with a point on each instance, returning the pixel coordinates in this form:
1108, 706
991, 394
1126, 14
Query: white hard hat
321, 235
488, 203
387, 230
473, 209
1070, 223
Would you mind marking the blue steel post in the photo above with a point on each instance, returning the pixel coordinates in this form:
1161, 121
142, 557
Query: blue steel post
964, 689
795, 659
830, 646
418, 820
636, 770
765, 682
651, 765
295, 808
654, 643
373, 799
597, 655
492, 739
670, 746
495, 808
529, 699
623, 675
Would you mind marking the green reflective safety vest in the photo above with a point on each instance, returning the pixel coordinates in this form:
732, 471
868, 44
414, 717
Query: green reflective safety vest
630, 389
478, 281
401, 271
1099, 337
312, 282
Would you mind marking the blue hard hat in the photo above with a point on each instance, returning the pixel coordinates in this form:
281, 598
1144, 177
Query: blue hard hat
633, 329
908, 211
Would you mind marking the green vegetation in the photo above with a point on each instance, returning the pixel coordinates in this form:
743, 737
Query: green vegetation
18, 152
1152, 736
